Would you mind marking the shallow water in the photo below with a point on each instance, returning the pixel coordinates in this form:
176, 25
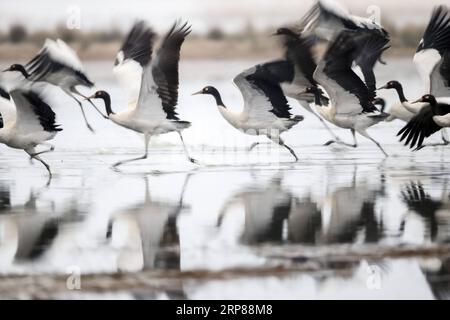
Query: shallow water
340, 223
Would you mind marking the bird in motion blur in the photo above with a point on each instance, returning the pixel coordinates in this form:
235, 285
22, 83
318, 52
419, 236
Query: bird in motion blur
27, 122
56, 63
266, 109
154, 112
432, 60
351, 99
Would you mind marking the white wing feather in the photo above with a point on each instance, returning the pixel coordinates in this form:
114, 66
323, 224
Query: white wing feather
27, 121
129, 74
149, 105
62, 53
344, 102
8, 111
257, 106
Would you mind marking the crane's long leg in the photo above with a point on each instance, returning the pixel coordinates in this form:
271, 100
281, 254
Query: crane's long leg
146, 141
365, 134
354, 145
34, 156
308, 108
281, 143
185, 149
52, 148
74, 90
324, 123
444, 136
82, 110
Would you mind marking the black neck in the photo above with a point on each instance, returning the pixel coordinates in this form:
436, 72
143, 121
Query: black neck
23, 71
218, 98
317, 100
107, 99
434, 106
400, 93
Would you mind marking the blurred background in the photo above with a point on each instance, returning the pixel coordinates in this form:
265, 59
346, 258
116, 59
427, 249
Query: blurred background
221, 28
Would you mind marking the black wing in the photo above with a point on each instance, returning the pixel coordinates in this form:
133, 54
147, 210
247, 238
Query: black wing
370, 48
338, 67
437, 36
267, 78
298, 50
138, 44
165, 67
421, 126
437, 33
43, 65
42, 110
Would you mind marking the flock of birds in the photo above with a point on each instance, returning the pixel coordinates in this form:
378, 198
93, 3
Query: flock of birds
328, 87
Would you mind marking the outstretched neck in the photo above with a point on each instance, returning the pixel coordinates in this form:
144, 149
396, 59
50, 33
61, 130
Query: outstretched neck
107, 100
23, 71
400, 93
218, 98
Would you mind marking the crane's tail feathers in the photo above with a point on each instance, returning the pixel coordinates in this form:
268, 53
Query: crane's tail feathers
182, 124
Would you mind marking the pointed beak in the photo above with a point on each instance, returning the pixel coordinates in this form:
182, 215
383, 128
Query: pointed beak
198, 92
7, 69
89, 98
383, 87
417, 101
303, 92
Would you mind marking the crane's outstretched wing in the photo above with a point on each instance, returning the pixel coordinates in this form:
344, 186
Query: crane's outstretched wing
421, 126
158, 96
299, 51
432, 57
347, 91
57, 57
262, 93
33, 113
370, 49
135, 53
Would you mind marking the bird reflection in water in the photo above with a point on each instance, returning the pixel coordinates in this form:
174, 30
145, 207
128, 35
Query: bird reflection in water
147, 234
266, 210
433, 212
274, 215
349, 213
28, 230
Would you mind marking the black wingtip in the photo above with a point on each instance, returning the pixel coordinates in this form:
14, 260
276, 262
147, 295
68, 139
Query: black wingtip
44, 112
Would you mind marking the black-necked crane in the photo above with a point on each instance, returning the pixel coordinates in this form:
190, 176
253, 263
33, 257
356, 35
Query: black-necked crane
431, 118
28, 123
432, 60
266, 109
351, 101
56, 63
296, 72
155, 111
327, 19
